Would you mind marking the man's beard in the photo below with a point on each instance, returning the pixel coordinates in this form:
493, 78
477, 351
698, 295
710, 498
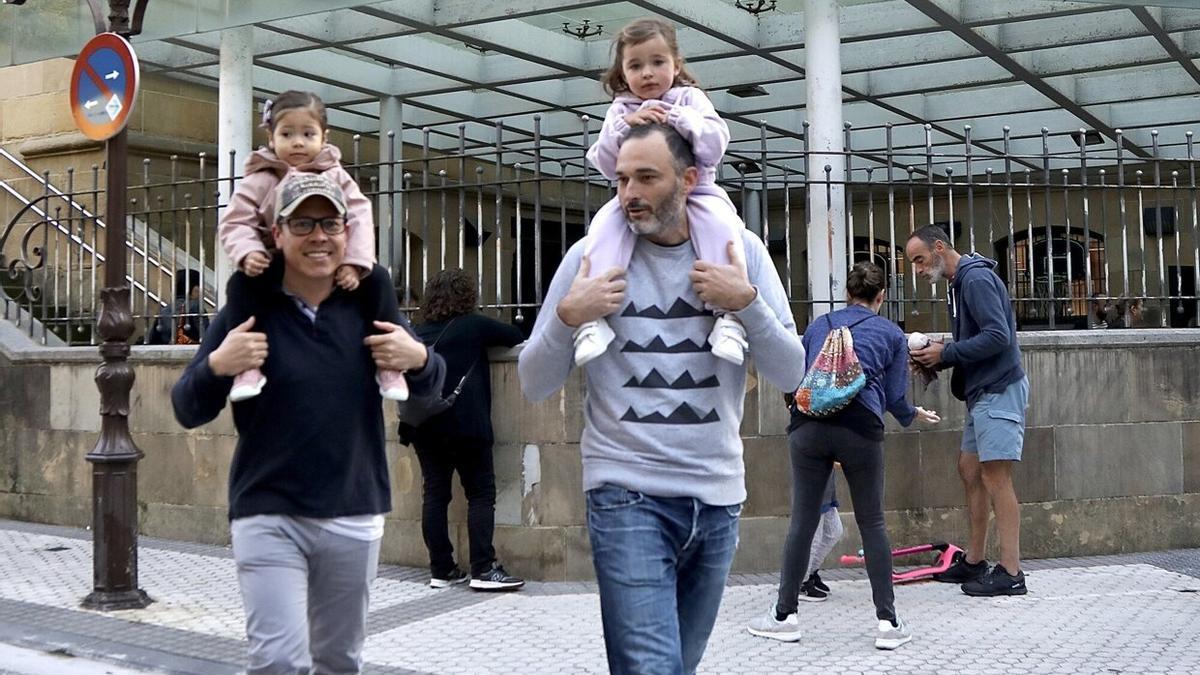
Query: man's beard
664, 218
937, 270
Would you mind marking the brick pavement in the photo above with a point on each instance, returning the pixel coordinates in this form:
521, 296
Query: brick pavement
1134, 613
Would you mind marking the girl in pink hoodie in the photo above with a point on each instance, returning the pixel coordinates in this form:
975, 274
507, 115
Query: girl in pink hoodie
298, 131
651, 85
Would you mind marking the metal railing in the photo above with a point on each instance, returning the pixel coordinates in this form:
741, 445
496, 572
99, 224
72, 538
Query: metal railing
1076, 229
51, 249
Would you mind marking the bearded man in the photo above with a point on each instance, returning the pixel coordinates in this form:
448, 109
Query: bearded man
662, 456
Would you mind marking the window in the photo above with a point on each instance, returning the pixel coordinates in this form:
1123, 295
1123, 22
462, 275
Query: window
1159, 221
1062, 264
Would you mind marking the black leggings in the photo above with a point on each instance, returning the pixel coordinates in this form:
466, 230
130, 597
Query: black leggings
472, 459
815, 445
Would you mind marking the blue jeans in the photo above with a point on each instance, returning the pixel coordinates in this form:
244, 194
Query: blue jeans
661, 563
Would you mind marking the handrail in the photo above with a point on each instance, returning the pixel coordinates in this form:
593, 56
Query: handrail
46, 218
142, 251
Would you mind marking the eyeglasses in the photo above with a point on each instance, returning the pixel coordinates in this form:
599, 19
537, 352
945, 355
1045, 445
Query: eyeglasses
302, 227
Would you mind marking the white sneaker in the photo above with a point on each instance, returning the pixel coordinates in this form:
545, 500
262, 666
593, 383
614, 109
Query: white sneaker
767, 626
728, 339
591, 340
891, 637
247, 384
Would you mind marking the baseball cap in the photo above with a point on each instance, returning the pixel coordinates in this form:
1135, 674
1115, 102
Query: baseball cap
298, 187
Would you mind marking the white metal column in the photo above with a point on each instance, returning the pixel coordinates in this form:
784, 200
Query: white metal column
391, 119
235, 125
827, 260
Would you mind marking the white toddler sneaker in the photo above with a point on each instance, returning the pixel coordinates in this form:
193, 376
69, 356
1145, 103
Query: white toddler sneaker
392, 385
247, 384
591, 340
728, 339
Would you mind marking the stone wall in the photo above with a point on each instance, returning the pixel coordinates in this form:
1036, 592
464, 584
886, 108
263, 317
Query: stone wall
1112, 457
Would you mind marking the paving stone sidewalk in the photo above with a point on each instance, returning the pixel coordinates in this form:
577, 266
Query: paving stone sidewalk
1137, 613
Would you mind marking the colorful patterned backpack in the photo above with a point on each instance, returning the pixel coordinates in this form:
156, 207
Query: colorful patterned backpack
835, 377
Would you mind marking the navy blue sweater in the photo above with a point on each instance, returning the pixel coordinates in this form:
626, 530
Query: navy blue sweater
882, 350
312, 443
984, 352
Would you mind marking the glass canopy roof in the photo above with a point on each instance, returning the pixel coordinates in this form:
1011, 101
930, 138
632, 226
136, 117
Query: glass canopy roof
1026, 64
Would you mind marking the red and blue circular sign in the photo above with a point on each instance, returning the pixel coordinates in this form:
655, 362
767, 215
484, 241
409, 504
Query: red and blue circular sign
104, 84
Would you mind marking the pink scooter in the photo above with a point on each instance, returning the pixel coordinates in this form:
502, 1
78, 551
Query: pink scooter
945, 558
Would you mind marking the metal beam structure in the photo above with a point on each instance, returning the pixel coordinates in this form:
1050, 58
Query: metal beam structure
1007, 62
948, 64
1156, 30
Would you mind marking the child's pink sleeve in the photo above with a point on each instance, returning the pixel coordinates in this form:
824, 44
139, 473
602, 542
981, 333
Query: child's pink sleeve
360, 223
603, 153
697, 121
241, 230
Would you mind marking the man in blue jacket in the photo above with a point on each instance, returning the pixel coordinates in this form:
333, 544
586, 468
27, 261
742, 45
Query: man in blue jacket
989, 377
308, 486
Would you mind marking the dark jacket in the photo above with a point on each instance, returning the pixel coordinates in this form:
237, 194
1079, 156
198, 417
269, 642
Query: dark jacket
882, 350
465, 341
984, 353
312, 443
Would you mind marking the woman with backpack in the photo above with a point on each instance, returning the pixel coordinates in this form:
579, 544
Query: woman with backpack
460, 438
849, 431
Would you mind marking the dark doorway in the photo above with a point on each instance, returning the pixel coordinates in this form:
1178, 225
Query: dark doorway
1182, 313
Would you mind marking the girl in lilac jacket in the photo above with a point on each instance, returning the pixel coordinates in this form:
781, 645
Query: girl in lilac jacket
651, 85
297, 142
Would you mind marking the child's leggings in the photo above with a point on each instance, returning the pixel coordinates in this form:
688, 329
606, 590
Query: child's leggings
829, 533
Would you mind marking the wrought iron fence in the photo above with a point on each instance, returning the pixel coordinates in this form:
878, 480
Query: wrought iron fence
52, 249
1084, 229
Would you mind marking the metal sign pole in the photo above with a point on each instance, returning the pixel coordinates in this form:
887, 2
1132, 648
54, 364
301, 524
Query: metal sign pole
115, 457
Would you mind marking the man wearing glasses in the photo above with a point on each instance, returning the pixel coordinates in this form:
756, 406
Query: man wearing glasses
308, 485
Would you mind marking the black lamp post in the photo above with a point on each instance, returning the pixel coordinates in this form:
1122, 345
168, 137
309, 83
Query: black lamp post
115, 457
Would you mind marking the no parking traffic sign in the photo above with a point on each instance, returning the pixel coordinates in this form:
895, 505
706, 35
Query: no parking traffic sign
104, 84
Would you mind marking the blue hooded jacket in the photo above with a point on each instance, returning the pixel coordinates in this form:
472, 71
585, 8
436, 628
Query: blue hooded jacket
984, 353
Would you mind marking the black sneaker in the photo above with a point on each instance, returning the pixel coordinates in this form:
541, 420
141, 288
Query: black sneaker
996, 582
815, 580
496, 579
962, 571
810, 593
455, 577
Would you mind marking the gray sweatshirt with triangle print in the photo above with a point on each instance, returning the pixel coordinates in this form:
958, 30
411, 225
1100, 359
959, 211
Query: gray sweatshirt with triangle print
661, 413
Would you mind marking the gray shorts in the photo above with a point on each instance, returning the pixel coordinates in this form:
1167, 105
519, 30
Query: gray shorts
995, 426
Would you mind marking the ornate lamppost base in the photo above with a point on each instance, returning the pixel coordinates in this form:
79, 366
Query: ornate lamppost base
107, 601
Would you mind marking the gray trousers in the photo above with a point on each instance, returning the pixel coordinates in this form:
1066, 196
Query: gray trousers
305, 594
